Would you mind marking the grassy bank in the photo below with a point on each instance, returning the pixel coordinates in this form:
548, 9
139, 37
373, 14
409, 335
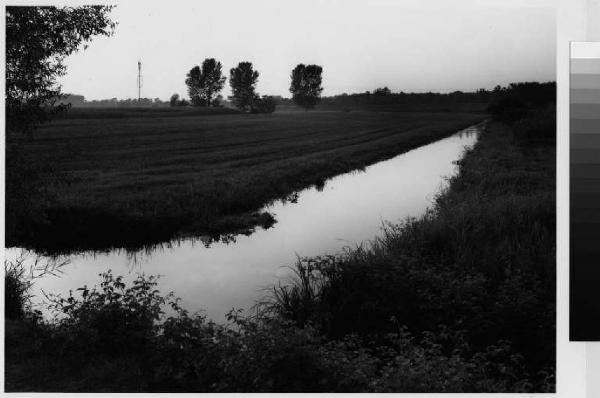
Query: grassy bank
482, 262
460, 300
130, 178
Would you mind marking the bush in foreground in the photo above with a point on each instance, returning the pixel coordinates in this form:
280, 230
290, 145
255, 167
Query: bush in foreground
117, 338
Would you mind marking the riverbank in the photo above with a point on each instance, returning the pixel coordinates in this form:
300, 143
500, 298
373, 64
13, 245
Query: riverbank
481, 264
96, 183
460, 300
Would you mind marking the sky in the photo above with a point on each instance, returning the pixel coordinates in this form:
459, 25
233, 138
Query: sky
407, 45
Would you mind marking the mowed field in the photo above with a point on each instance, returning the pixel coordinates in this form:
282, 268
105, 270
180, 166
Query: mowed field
149, 177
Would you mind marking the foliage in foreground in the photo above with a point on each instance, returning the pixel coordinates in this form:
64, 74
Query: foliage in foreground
117, 338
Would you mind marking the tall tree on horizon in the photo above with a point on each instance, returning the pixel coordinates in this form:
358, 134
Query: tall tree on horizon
242, 80
204, 83
306, 85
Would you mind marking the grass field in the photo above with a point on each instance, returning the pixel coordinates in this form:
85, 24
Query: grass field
145, 112
129, 178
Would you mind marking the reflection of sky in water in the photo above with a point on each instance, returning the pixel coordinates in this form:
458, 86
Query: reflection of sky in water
350, 209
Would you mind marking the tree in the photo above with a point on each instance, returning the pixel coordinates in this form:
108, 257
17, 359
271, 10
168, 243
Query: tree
242, 80
306, 85
37, 41
205, 83
193, 81
174, 100
382, 91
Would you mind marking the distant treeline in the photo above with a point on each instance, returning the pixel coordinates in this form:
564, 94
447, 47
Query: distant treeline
515, 96
80, 101
384, 100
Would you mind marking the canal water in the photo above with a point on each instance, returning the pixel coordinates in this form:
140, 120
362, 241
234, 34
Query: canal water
349, 210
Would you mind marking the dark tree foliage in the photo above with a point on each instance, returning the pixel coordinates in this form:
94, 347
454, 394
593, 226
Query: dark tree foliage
380, 99
518, 100
529, 108
37, 41
243, 80
174, 99
204, 84
266, 104
306, 85
382, 91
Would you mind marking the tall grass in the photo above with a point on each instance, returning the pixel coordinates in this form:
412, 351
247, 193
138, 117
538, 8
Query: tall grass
19, 277
16, 288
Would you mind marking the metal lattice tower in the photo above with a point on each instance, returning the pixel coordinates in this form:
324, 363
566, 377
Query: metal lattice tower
139, 80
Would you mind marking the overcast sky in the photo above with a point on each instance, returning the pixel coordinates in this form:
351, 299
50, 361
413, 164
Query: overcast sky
420, 45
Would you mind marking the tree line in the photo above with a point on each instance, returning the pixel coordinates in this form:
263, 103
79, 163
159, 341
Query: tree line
77, 101
205, 82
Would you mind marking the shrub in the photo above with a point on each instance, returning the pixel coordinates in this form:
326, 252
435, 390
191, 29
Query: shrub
117, 338
175, 100
266, 104
114, 318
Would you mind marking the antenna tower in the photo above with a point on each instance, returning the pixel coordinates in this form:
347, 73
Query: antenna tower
139, 80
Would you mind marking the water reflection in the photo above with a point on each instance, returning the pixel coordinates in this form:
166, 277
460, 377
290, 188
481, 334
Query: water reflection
347, 210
